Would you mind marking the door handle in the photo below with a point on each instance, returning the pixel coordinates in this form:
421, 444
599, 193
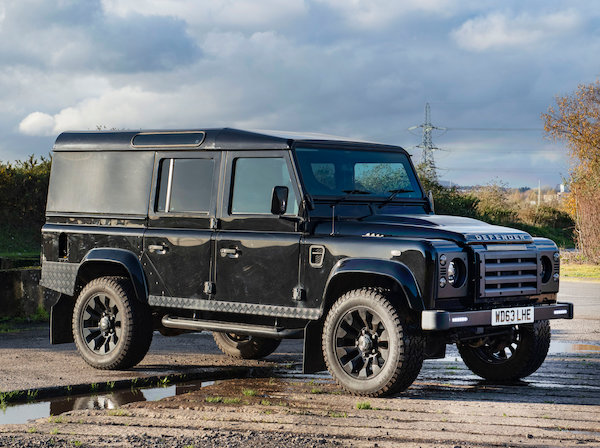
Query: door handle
158, 249
229, 252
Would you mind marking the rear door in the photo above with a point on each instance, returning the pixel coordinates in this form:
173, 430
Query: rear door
257, 253
178, 242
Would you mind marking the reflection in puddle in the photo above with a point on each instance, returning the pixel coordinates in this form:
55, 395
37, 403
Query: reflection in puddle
21, 413
107, 401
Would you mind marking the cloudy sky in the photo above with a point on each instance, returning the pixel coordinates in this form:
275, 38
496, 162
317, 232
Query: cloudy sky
356, 68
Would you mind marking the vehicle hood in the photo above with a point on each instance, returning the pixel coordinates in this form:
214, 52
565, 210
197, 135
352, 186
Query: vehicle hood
453, 228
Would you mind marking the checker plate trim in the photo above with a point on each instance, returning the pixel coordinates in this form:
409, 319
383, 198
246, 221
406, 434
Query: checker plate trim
235, 307
59, 276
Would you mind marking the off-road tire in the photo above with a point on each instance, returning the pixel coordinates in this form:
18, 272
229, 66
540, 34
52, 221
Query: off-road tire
131, 322
530, 347
245, 347
395, 356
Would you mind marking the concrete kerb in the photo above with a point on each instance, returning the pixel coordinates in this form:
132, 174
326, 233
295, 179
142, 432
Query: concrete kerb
210, 374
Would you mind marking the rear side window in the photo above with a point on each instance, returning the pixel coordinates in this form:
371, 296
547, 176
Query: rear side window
185, 185
100, 182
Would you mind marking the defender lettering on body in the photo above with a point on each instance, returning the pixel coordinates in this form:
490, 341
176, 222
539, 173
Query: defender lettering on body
261, 237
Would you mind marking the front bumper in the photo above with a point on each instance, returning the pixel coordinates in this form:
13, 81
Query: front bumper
445, 320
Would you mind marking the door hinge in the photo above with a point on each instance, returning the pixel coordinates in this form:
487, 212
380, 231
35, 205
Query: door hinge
298, 294
209, 288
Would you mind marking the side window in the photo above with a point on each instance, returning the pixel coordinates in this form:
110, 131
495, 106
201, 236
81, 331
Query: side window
254, 179
185, 185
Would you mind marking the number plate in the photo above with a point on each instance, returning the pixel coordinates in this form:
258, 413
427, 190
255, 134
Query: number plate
512, 316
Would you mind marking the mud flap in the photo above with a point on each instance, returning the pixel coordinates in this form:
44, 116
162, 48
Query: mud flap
61, 317
313, 360
435, 346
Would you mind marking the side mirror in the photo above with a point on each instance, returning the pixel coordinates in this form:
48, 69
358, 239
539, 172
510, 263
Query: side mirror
279, 200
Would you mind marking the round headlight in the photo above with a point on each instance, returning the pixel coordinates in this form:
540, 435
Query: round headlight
546, 269
456, 273
452, 273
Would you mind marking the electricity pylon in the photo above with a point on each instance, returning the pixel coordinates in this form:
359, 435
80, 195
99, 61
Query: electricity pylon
427, 146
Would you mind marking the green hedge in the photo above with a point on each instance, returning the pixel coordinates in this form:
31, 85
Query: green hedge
23, 193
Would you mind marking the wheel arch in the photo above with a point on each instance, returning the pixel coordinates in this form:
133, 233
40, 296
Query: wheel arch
103, 262
353, 273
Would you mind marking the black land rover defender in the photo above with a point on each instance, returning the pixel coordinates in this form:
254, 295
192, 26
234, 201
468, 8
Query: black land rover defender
262, 237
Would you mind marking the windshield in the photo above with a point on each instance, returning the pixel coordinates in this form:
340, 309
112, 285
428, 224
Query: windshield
363, 174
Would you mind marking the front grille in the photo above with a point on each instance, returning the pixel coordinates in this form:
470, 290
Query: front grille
511, 273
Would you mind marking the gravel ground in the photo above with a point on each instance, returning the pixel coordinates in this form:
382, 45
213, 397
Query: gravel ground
209, 439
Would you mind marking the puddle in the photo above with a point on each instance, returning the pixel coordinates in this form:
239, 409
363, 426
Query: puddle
21, 413
231, 391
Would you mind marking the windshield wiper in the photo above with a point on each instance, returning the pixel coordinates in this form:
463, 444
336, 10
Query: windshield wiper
338, 200
348, 194
394, 194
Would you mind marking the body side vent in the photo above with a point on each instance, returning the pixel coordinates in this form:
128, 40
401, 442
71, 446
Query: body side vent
316, 256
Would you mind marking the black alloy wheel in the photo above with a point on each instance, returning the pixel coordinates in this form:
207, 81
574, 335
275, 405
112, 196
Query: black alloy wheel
514, 355
245, 347
101, 324
112, 329
369, 344
361, 343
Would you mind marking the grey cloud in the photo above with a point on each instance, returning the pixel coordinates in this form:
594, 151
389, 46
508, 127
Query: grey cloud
310, 72
80, 37
142, 44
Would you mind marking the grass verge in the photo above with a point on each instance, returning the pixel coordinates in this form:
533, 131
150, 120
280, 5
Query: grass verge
19, 242
15, 324
583, 271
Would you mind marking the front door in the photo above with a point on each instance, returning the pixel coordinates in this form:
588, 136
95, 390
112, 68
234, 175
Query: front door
257, 253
